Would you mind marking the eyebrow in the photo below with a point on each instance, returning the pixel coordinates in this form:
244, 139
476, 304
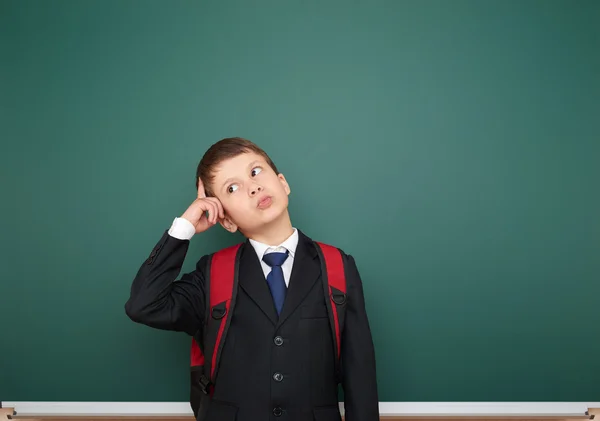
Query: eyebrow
252, 164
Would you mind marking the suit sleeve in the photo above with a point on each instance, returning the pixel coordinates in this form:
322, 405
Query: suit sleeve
158, 299
361, 400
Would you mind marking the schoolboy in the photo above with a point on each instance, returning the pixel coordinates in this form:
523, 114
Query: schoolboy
277, 361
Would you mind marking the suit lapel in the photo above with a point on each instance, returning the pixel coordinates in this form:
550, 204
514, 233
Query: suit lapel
252, 281
305, 271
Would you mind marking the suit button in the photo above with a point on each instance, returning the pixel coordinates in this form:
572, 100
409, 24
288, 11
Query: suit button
277, 411
278, 340
278, 377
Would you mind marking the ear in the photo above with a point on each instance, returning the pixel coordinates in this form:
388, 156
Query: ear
284, 182
228, 224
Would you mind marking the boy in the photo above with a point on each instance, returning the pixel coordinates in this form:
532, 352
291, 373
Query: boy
277, 361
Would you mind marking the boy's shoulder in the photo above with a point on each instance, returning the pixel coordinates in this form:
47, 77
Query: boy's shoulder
324, 244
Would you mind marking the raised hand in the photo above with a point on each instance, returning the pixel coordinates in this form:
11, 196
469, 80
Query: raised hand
204, 212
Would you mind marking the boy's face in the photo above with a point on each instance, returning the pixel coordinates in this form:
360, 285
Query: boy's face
251, 193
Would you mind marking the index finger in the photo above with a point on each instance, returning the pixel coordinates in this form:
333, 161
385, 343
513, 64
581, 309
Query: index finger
201, 192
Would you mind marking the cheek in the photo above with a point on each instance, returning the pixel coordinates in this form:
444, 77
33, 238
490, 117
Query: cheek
228, 206
234, 208
226, 203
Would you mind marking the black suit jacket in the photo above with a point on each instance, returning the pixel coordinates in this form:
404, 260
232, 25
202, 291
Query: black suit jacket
247, 387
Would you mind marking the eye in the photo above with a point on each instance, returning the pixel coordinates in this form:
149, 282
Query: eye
255, 171
232, 188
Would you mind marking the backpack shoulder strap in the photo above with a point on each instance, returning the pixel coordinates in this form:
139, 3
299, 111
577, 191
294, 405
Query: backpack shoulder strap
221, 291
334, 284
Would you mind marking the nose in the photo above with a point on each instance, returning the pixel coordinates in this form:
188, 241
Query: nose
255, 189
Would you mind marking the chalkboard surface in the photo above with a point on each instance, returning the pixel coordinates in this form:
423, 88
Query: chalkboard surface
452, 147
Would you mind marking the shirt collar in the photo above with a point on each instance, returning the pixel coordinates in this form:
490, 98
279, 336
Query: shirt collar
289, 244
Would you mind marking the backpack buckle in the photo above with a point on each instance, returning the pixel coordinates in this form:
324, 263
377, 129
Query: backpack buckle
218, 311
205, 385
338, 298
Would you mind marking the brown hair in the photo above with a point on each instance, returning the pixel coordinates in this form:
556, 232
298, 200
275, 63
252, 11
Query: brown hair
224, 149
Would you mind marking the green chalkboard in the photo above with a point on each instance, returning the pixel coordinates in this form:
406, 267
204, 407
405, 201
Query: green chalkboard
452, 147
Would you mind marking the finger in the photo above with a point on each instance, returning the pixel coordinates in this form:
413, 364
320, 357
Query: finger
221, 210
213, 213
217, 202
201, 192
217, 212
205, 208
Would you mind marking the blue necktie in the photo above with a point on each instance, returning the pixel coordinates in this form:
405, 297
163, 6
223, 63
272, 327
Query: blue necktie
275, 278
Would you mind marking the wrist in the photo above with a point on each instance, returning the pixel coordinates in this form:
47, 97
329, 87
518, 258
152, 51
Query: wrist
182, 229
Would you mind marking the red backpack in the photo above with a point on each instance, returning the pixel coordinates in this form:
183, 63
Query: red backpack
223, 285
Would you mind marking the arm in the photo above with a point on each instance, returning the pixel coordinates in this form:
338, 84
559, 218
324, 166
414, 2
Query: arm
361, 401
157, 299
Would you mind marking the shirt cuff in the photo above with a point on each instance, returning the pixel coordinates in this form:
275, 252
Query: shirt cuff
182, 229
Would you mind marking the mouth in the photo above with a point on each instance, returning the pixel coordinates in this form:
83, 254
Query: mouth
264, 202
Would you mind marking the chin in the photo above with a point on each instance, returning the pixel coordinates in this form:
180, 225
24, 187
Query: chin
273, 214
262, 220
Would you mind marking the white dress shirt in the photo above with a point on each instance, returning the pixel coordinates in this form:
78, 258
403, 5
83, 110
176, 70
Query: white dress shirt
184, 230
